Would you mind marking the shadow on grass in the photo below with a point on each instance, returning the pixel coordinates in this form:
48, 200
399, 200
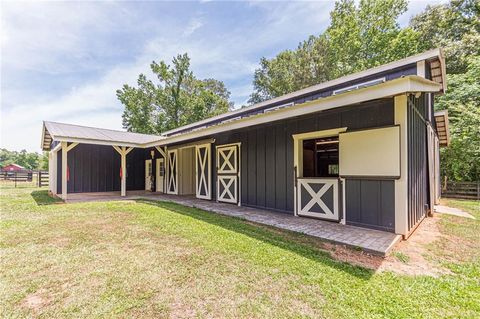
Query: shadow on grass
267, 234
42, 198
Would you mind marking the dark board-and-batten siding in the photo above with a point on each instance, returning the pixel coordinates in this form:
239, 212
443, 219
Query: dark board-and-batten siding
267, 178
96, 168
418, 199
366, 198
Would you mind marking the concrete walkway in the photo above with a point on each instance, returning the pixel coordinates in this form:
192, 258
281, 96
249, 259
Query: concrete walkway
452, 211
372, 241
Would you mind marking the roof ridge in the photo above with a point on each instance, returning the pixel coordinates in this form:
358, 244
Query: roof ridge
99, 128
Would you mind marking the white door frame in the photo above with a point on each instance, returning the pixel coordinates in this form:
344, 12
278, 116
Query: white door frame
298, 161
202, 179
225, 175
147, 163
172, 165
159, 185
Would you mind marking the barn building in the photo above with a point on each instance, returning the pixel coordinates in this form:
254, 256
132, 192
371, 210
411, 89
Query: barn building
13, 168
360, 150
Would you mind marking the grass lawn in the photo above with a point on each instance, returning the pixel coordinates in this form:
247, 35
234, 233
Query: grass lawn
152, 259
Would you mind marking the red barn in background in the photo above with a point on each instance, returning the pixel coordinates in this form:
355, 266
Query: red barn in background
13, 168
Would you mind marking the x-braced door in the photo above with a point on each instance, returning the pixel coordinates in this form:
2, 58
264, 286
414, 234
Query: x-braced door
228, 173
202, 171
318, 197
172, 176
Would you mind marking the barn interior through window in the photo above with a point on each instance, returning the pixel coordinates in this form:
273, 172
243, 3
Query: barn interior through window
320, 157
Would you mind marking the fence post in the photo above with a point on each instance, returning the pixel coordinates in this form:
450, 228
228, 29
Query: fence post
39, 175
478, 190
15, 179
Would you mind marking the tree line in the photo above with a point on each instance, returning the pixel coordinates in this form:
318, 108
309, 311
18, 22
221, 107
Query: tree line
359, 36
29, 160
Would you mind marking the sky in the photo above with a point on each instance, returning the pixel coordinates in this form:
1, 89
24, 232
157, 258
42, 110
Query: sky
64, 61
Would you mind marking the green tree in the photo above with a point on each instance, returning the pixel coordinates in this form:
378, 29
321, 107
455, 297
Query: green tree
175, 99
292, 70
29, 160
358, 37
461, 159
139, 105
455, 27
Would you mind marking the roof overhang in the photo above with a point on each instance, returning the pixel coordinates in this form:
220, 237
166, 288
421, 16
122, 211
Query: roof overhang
408, 84
438, 70
47, 139
441, 123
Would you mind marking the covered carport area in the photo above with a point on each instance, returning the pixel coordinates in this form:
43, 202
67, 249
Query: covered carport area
92, 160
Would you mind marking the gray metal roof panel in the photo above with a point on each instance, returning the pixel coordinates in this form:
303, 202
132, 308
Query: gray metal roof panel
57, 130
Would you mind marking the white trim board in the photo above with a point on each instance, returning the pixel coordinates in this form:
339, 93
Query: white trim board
298, 156
401, 184
96, 142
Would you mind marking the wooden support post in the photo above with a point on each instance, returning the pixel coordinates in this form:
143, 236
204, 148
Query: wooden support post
53, 178
64, 170
123, 151
65, 149
124, 173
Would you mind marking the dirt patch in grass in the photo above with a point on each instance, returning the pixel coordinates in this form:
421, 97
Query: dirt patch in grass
410, 257
37, 300
352, 256
413, 256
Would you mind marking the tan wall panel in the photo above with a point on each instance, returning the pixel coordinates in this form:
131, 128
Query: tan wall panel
373, 152
187, 171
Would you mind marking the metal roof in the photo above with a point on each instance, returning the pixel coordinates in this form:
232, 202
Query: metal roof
435, 56
53, 131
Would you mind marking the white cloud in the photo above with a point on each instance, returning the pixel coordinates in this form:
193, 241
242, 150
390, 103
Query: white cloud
86, 105
193, 25
48, 38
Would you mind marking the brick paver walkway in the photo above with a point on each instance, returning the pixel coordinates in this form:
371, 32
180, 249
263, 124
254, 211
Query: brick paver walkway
372, 241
